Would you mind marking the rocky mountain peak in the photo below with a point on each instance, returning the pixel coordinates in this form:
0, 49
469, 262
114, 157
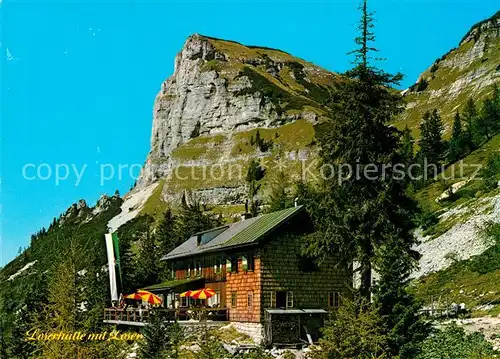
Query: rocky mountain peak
490, 26
220, 88
468, 70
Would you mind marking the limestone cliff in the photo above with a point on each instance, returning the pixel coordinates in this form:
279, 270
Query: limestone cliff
219, 94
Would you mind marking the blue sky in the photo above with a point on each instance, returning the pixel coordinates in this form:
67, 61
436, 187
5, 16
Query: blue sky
79, 78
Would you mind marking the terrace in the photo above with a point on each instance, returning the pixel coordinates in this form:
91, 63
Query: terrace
184, 316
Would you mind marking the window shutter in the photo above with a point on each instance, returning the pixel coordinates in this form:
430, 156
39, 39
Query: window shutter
244, 263
273, 300
289, 299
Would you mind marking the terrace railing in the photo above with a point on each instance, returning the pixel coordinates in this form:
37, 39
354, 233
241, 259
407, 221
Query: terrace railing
135, 315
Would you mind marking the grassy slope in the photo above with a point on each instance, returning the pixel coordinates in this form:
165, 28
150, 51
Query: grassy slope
479, 157
473, 282
439, 93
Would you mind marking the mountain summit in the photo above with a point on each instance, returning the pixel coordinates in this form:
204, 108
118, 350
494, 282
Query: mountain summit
222, 88
468, 70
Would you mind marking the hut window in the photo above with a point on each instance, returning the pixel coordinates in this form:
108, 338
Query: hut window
333, 299
234, 296
251, 262
280, 299
232, 264
250, 300
218, 266
273, 300
215, 300
188, 274
198, 269
247, 262
184, 301
289, 299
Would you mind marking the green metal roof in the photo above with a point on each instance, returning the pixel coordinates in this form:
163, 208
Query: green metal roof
236, 234
170, 284
261, 226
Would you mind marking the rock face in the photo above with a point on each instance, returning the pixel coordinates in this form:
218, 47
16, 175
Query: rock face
469, 70
223, 87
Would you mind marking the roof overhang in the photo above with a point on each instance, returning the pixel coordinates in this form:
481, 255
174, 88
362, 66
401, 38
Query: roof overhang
173, 284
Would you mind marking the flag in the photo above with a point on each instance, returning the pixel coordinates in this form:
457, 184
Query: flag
116, 245
111, 266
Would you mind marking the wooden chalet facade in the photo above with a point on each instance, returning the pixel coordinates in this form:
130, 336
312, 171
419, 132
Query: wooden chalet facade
255, 266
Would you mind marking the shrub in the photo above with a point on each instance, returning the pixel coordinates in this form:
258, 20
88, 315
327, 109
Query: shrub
353, 331
453, 342
426, 219
420, 85
489, 260
491, 173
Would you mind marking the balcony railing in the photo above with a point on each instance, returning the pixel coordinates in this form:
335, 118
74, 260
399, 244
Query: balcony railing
135, 315
208, 274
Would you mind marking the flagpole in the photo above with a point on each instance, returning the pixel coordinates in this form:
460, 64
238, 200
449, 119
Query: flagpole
111, 267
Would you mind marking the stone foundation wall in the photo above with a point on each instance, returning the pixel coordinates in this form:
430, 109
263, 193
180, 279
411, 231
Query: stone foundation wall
253, 330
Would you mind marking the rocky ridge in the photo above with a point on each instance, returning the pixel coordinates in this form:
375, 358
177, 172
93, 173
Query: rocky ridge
469, 70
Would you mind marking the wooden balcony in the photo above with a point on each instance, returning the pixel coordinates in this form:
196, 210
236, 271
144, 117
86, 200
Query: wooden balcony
184, 316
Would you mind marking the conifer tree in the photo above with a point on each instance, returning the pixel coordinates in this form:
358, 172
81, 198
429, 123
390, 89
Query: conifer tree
360, 217
356, 213
254, 174
279, 198
166, 233
496, 102
64, 295
352, 331
161, 340
192, 218
487, 120
455, 148
469, 115
431, 142
149, 259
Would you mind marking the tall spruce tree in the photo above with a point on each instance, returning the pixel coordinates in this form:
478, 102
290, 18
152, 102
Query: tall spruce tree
489, 120
364, 215
431, 143
148, 263
167, 236
469, 115
279, 198
455, 148
254, 174
192, 218
360, 213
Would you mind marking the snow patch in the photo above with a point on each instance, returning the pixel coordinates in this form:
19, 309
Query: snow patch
131, 206
23, 269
